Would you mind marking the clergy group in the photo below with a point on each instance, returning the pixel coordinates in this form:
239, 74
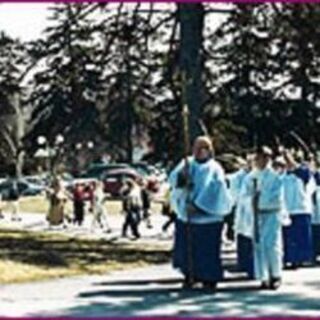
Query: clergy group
270, 207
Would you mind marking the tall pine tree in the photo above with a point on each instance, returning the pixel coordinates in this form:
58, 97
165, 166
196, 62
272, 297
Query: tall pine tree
68, 83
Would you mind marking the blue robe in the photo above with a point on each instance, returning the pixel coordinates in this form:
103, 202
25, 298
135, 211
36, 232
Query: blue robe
210, 197
316, 217
299, 186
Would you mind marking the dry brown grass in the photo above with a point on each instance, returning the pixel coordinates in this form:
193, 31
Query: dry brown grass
39, 204
29, 256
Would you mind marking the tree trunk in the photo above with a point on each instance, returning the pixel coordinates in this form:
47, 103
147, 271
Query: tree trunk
191, 18
19, 132
129, 101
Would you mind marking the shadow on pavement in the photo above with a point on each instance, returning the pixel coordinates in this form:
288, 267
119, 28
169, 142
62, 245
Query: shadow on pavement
141, 282
143, 291
144, 282
228, 301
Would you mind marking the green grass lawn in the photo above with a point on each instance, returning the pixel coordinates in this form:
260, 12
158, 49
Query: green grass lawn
31, 256
40, 204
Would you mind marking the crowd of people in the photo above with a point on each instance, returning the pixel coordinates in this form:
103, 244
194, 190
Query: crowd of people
86, 198
270, 207
91, 198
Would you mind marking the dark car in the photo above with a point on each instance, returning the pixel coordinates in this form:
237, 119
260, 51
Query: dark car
151, 175
114, 179
88, 185
144, 167
25, 188
97, 170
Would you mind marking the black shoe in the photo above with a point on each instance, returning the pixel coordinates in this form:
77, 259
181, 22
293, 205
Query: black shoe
210, 286
275, 283
136, 237
187, 283
264, 285
292, 266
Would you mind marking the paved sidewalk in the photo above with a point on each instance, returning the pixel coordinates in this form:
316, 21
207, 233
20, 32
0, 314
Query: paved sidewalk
37, 222
156, 291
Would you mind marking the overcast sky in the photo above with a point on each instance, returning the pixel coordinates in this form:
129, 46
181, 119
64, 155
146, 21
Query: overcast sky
28, 20
23, 20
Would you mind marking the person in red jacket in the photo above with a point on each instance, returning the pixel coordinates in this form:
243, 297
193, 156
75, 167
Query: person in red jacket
78, 203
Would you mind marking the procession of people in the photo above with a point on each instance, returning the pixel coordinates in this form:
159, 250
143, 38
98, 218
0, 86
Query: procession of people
270, 203
267, 207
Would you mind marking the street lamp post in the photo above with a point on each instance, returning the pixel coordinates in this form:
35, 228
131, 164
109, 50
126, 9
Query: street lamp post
43, 143
82, 146
57, 151
59, 140
52, 151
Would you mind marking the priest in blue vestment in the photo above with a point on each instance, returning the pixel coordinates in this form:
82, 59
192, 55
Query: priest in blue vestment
200, 197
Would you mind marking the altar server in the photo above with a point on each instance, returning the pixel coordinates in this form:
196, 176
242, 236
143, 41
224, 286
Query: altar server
264, 189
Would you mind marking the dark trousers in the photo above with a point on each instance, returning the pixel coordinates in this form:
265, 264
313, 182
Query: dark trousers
245, 255
229, 221
131, 221
146, 213
172, 219
78, 212
297, 240
316, 240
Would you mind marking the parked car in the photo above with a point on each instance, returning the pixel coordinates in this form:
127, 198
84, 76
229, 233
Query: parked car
25, 188
145, 167
38, 180
114, 179
86, 183
151, 174
97, 170
68, 179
